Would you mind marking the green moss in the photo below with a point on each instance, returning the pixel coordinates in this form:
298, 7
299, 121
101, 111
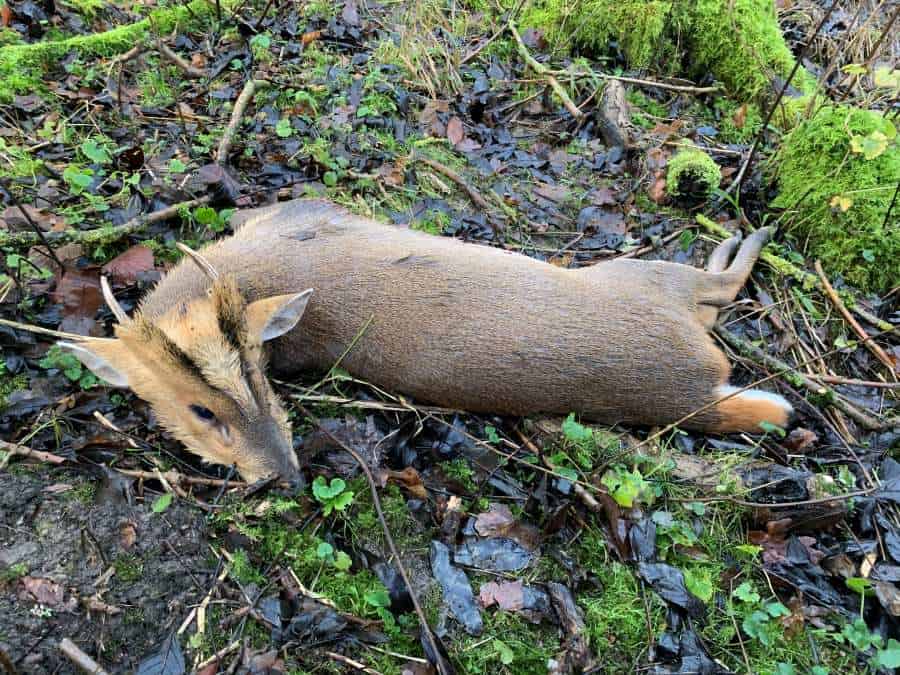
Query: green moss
692, 175
637, 25
9, 384
839, 198
22, 66
128, 568
524, 647
738, 41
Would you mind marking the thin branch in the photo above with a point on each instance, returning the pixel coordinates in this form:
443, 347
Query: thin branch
34, 226
100, 234
742, 174
22, 451
480, 201
250, 88
873, 347
80, 659
545, 72
175, 58
749, 349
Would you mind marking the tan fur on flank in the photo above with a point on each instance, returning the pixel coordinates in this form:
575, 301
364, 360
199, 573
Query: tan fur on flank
455, 324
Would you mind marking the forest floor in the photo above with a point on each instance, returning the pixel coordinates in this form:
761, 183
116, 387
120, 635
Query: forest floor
535, 545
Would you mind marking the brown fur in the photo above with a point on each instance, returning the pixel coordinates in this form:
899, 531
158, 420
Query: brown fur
460, 325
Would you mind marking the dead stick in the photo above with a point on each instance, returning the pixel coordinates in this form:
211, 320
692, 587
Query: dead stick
80, 659
172, 56
356, 665
873, 347
23, 451
480, 201
101, 234
836, 379
250, 88
376, 502
541, 69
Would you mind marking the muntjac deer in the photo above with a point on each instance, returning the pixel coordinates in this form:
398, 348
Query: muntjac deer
446, 322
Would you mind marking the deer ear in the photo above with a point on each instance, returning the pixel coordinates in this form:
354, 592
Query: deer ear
99, 356
270, 318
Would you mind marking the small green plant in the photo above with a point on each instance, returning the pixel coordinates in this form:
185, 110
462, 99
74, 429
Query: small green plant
333, 496
162, 502
243, 570
13, 572
70, 366
627, 487
760, 619
208, 217
340, 560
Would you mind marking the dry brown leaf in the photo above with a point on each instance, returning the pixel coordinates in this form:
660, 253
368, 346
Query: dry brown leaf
455, 131
126, 267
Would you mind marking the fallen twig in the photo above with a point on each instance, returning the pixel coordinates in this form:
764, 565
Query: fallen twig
172, 56
873, 347
480, 201
100, 234
356, 665
240, 105
427, 635
80, 659
542, 70
837, 379
22, 451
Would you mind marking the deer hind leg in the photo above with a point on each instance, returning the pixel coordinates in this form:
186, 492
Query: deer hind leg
718, 262
722, 284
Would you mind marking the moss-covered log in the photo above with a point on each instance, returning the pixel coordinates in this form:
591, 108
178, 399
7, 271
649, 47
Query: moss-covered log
739, 42
22, 66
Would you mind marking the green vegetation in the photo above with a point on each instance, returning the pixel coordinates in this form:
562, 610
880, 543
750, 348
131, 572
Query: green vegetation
128, 568
22, 66
692, 175
837, 173
738, 41
70, 366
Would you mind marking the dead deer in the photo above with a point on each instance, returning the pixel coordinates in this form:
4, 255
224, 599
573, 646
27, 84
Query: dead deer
451, 323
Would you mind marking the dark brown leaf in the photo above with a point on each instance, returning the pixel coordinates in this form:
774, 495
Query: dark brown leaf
126, 267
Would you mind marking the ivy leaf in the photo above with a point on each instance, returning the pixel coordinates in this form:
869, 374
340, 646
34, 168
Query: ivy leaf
626, 486
342, 501
162, 503
776, 609
870, 146
342, 561
890, 657
95, 152
283, 128
176, 166
330, 178
205, 215
746, 593
859, 585
504, 652
575, 432
868, 256
324, 550
378, 598
858, 635
698, 585
491, 434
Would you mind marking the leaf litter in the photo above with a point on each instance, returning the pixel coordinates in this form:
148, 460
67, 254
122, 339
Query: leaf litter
489, 541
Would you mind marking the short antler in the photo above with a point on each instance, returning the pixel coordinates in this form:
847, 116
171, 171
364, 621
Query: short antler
111, 301
199, 260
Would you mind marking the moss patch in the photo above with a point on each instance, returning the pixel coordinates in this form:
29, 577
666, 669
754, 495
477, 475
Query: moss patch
838, 171
738, 41
22, 66
692, 175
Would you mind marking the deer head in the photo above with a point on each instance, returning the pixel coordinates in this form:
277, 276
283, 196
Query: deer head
201, 367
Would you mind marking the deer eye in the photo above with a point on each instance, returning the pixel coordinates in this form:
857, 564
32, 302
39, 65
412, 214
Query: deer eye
204, 414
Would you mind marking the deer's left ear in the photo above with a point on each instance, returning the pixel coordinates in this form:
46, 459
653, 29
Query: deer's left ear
270, 318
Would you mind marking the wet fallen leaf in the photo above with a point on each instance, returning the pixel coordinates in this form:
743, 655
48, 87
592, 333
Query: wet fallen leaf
78, 291
43, 591
496, 521
127, 267
455, 131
